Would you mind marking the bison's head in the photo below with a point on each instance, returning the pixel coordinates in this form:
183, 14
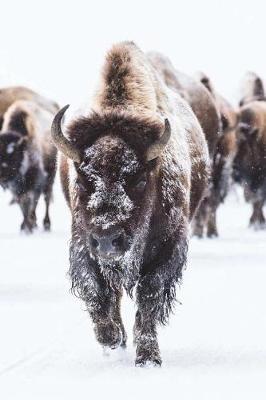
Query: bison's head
12, 147
249, 161
116, 162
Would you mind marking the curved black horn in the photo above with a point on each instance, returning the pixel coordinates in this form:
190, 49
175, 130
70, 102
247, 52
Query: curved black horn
60, 141
156, 148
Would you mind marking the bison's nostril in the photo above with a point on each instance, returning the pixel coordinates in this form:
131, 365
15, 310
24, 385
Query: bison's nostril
118, 241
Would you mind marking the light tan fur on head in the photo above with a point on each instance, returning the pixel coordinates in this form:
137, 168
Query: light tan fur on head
258, 110
128, 82
11, 94
225, 108
37, 122
252, 88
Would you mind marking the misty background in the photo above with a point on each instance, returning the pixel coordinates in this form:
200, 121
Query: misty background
57, 47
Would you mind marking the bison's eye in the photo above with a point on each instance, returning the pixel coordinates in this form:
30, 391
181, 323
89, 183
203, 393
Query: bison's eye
85, 186
140, 184
137, 186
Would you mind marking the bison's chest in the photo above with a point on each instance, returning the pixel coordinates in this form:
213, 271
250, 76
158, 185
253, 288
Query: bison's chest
32, 180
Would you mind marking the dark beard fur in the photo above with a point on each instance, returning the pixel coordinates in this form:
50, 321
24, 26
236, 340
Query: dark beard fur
123, 273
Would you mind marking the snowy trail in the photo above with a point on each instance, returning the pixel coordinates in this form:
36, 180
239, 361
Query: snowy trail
214, 347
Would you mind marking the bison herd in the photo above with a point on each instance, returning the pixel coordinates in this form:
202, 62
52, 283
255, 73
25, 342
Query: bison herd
147, 166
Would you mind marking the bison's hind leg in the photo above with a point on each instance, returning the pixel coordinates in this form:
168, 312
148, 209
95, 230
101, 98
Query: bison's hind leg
212, 226
257, 219
201, 218
48, 191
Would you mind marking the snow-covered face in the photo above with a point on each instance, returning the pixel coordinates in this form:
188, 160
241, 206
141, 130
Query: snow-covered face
11, 156
111, 188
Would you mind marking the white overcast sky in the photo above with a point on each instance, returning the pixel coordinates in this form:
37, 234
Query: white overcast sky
56, 47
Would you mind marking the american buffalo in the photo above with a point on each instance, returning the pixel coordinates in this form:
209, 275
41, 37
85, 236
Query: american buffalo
250, 160
224, 154
9, 95
28, 158
206, 110
134, 170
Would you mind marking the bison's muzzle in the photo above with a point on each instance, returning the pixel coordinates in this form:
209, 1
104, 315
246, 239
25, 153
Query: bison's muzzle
108, 244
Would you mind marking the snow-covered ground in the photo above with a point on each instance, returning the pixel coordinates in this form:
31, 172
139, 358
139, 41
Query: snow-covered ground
214, 347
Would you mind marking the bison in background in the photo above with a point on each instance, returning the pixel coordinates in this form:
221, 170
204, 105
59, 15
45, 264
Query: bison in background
250, 161
133, 170
11, 94
224, 154
206, 110
28, 158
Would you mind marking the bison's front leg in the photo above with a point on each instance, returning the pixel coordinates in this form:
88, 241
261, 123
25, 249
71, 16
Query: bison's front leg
145, 333
155, 298
103, 302
106, 317
257, 219
201, 218
28, 203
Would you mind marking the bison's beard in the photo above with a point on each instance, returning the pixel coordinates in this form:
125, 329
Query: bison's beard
125, 271
122, 272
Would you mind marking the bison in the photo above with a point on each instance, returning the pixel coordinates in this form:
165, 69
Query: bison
11, 94
133, 170
249, 167
223, 156
28, 158
206, 110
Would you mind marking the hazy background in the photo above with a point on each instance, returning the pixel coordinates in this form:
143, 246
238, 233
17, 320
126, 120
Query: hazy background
56, 47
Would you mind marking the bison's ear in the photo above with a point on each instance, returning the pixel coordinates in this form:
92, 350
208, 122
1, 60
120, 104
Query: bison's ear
156, 148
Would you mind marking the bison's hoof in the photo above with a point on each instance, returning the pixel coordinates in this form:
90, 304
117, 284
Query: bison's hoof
257, 225
198, 232
212, 234
146, 361
26, 228
148, 355
108, 335
47, 226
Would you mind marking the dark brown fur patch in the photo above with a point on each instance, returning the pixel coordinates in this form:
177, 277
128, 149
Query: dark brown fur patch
17, 122
138, 132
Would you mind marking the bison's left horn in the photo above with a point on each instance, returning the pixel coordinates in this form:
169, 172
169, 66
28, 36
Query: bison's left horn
156, 148
60, 141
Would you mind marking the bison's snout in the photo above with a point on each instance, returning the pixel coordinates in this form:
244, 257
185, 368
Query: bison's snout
108, 245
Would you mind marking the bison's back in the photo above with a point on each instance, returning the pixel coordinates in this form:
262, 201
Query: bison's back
11, 94
198, 97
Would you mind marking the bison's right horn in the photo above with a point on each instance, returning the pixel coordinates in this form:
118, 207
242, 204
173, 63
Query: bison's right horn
156, 148
60, 141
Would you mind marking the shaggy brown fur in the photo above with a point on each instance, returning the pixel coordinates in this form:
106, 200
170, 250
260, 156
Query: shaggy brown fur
11, 94
27, 158
194, 93
252, 89
223, 156
249, 163
206, 110
146, 206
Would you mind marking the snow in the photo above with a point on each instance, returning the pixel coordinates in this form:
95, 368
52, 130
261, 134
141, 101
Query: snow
214, 347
